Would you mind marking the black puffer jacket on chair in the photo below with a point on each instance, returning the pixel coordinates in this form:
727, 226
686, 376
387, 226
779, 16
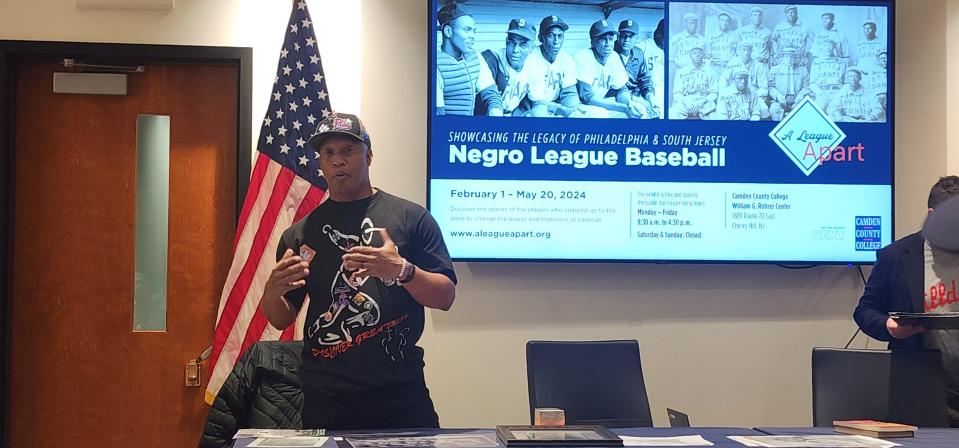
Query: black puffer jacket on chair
262, 391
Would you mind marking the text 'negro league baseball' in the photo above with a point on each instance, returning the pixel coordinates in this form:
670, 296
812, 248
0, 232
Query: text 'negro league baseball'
627, 149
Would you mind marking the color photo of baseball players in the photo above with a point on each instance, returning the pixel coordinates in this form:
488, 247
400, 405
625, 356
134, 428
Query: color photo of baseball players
758, 61
534, 59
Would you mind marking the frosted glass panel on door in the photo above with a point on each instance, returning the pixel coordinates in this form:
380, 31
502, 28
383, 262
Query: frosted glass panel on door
152, 213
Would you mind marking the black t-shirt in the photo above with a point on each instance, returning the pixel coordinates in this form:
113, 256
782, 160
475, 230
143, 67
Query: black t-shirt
362, 336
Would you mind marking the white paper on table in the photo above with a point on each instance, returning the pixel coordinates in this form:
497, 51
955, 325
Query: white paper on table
289, 442
254, 433
813, 441
694, 440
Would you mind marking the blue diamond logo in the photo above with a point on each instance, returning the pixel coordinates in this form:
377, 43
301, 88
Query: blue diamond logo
807, 135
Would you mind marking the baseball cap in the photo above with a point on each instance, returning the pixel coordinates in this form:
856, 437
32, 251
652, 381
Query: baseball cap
788, 7
690, 16
740, 72
521, 28
599, 28
551, 21
697, 46
827, 13
629, 25
854, 69
755, 9
868, 22
339, 124
940, 226
449, 13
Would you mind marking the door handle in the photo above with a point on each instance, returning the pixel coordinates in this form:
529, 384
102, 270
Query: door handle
193, 370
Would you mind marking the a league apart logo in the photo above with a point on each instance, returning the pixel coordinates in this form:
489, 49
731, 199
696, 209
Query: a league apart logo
807, 135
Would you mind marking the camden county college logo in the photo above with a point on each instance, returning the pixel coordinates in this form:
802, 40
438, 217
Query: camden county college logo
804, 133
868, 233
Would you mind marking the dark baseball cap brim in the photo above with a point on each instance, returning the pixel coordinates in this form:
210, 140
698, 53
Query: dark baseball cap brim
528, 35
316, 141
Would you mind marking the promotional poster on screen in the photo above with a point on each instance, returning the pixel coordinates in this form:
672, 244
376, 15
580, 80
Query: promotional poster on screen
669, 131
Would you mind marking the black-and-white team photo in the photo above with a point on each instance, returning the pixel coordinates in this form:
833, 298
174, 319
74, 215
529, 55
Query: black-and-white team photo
574, 59
733, 61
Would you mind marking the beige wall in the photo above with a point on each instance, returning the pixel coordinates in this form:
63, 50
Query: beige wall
728, 344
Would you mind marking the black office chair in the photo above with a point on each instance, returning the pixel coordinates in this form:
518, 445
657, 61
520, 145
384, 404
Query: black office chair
901, 387
595, 383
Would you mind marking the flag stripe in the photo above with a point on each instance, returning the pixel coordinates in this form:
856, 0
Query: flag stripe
250, 323
247, 235
241, 287
258, 324
256, 182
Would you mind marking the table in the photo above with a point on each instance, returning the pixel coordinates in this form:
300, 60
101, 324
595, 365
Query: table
925, 437
715, 435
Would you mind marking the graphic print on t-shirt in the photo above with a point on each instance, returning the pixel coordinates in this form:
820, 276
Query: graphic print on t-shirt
394, 342
351, 309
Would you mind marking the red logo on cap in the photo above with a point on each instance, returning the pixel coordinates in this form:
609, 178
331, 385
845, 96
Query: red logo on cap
343, 123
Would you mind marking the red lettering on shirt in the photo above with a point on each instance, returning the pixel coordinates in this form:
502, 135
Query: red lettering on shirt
342, 347
940, 295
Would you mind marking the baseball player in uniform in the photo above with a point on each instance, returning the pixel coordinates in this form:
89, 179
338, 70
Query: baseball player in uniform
507, 66
639, 79
853, 102
791, 33
878, 78
552, 75
601, 77
721, 47
829, 33
680, 44
758, 35
739, 102
826, 75
868, 49
788, 84
464, 73
656, 64
758, 76
695, 89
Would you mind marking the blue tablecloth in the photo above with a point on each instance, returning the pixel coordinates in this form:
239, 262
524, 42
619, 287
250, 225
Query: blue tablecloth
715, 435
925, 437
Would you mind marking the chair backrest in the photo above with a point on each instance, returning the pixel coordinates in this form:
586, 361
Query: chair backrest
594, 382
901, 387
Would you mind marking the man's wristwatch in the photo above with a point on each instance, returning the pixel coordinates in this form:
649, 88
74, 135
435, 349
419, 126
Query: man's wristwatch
407, 272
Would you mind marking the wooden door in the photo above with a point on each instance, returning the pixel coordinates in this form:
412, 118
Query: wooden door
79, 375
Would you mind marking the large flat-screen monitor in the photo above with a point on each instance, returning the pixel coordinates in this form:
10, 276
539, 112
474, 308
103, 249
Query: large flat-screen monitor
585, 130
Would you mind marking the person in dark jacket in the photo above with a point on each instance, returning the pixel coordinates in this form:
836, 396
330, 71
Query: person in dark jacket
912, 276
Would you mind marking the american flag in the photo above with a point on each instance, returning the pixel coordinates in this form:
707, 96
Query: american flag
285, 186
